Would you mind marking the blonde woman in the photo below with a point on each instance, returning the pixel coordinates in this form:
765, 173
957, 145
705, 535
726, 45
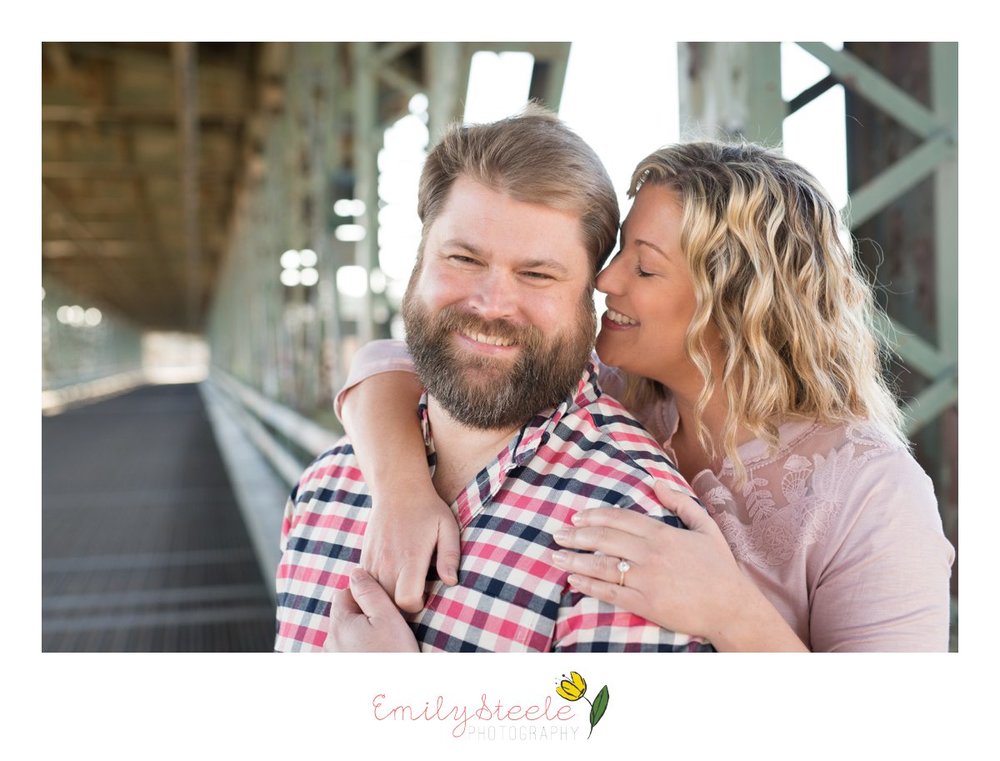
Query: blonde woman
742, 335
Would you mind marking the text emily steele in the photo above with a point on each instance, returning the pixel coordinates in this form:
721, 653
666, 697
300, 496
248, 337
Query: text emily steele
487, 711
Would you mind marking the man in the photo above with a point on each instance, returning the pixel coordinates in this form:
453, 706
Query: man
518, 217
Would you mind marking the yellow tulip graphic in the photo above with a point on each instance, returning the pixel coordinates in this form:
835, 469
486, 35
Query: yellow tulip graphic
575, 687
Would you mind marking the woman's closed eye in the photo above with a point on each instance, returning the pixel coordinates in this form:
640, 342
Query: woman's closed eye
641, 272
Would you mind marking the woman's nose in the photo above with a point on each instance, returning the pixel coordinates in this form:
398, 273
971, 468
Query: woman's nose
609, 280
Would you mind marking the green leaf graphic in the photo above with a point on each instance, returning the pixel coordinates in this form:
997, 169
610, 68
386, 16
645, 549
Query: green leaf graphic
598, 707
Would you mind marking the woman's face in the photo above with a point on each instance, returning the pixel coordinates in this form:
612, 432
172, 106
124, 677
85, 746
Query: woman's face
651, 298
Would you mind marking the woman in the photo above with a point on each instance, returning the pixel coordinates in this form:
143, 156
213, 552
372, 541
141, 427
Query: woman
743, 334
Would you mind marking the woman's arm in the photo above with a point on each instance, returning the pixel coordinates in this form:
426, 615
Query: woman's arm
882, 579
409, 521
683, 580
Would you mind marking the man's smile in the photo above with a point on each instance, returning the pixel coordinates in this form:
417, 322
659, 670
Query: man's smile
483, 338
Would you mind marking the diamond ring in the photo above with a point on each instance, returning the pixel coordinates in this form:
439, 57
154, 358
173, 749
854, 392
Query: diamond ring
623, 568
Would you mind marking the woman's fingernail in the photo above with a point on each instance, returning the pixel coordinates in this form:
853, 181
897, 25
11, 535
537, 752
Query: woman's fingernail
561, 536
573, 580
559, 558
577, 517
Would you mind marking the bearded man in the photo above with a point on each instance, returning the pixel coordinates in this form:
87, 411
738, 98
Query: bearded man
518, 217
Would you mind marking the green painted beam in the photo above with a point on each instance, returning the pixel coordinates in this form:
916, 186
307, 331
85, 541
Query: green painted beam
931, 402
899, 178
366, 146
869, 83
918, 354
944, 94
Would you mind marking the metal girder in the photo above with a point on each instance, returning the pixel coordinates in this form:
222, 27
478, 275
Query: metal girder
864, 80
393, 50
448, 72
367, 141
944, 95
938, 153
86, 241
931, 402
186, 73
900, 177
731, 91
399, 81
921, 356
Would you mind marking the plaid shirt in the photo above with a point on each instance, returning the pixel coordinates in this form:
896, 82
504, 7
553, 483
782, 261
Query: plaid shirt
588, 452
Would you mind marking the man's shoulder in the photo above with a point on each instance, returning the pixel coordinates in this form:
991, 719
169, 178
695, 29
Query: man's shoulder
337, 462
605, 419
610, 422
601, 427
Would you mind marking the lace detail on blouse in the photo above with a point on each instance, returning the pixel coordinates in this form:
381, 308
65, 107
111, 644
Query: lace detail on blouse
790, 496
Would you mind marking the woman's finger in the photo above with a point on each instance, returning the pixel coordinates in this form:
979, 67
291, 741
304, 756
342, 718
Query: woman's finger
598, 566
410, 583
621, 596
610, 541
630, 521
684, 507
449, 551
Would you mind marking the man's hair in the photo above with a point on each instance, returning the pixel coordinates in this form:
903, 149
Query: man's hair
765, 250
532, 157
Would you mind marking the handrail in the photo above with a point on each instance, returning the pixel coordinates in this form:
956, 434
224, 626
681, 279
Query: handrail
261, 465
302, 431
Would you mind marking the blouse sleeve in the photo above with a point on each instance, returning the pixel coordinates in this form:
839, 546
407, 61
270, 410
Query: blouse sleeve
374, 357
884, 584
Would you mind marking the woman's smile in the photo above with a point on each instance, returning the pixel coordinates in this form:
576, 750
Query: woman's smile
614, 319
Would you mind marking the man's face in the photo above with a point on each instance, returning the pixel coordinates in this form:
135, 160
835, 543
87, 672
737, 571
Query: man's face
499, 316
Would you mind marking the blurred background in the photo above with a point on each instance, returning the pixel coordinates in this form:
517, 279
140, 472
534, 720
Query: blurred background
223, 224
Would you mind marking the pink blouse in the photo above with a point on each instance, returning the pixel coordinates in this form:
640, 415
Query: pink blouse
839, 528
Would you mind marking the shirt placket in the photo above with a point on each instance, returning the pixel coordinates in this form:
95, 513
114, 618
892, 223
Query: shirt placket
488, 482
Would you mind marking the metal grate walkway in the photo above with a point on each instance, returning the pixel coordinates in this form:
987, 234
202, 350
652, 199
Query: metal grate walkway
143, 546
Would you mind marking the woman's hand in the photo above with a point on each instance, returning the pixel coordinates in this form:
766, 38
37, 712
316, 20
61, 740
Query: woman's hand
683, 580
364, 620
399, 542
408, 520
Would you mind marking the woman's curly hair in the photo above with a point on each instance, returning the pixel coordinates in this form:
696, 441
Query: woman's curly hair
772, 273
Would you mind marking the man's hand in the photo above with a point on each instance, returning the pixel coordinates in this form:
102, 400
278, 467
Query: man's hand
401, 538
364, 620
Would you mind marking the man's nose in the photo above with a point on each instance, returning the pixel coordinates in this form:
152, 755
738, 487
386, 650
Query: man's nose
495, 296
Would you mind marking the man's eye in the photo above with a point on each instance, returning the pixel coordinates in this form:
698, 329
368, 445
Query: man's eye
462, 259
538, 275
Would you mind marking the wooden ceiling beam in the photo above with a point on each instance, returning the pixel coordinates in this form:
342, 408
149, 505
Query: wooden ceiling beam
122, 170
56, 113
115, 285
115, 210
185, 58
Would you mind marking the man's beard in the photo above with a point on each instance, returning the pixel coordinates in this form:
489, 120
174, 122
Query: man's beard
488, 392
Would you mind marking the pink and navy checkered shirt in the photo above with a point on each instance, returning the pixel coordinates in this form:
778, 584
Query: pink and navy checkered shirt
588, 452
